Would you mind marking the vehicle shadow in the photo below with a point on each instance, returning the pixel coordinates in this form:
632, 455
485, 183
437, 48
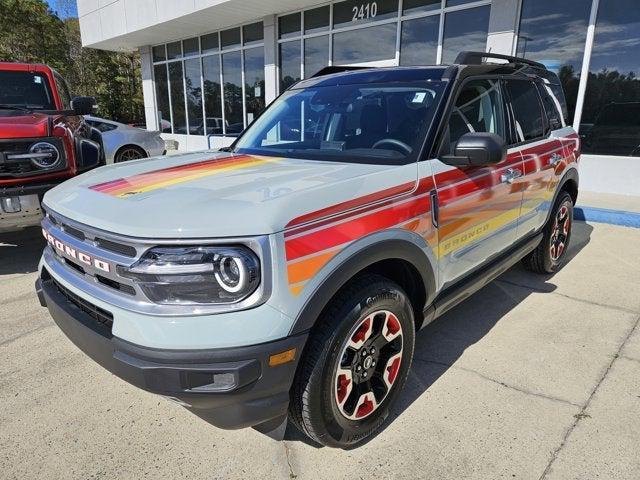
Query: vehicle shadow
20, 251
442, 342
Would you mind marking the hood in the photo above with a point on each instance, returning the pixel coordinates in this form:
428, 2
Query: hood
211, 195
20, 125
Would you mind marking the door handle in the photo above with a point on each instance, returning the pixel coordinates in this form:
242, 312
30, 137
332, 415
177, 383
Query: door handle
510, 175
555, 159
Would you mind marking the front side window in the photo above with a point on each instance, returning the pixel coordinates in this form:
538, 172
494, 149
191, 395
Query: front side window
365, 123
63, 91
525, 102
25, 90
478, 108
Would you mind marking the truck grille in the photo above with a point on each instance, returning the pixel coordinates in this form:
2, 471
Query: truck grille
101, 316
24, 167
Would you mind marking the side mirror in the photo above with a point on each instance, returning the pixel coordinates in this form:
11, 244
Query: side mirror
477, 149
83, 105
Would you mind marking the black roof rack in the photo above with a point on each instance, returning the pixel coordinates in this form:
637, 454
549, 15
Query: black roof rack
475, 58
335, 69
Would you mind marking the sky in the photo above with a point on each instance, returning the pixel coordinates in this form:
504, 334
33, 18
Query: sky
64, 8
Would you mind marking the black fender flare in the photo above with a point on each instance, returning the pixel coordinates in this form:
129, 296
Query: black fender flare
570, 174
401, 249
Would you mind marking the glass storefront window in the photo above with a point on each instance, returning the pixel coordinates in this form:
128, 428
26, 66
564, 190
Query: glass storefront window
177, 98
365, 45
230, 38
254, 82
194, 96
419, 41
162, 97
232, 79
455, 3
610, 122
316, 20
289, 25
316, 54
417, 6
253, 33
174, 50
354, 12
158, 53
554, 34
289, 64
190, 46
465, 30
209, 43
212, 94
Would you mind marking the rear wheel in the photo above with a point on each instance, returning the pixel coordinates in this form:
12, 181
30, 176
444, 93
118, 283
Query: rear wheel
355, 363
129, 152
548, 256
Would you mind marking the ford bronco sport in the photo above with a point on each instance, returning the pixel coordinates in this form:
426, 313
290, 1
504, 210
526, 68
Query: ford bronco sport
285, 278
43, 140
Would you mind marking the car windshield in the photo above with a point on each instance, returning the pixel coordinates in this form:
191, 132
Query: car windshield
364, 123
25, 90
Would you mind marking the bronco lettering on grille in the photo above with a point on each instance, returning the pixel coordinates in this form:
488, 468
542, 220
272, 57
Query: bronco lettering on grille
73, 253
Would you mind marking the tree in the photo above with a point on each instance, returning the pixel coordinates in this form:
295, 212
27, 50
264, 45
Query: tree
31, 32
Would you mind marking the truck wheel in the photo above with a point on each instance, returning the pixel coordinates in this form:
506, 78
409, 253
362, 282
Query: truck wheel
548, 256
355, 363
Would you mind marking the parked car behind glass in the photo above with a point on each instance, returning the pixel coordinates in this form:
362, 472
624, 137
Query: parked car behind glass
122, 142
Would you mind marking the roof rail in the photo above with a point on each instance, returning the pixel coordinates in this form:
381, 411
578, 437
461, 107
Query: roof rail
475, 58
335, 69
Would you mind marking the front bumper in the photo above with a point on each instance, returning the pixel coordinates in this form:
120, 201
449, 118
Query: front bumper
29, 214
228, 387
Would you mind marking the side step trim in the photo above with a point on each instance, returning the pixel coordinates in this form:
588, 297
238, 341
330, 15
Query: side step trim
455, 294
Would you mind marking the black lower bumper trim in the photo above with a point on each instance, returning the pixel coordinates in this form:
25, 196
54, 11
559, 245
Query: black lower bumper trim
228, 387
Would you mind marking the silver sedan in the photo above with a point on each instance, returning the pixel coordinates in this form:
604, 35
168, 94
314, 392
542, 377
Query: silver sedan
123, 142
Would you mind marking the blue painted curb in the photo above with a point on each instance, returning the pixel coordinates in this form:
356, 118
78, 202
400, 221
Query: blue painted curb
604, 215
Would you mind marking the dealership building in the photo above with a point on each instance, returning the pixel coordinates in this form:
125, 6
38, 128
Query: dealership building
209, 67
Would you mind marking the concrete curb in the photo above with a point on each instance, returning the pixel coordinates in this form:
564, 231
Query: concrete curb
604, 215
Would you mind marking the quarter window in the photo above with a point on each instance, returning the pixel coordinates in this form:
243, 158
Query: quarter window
552, 106
525, 102
478, 108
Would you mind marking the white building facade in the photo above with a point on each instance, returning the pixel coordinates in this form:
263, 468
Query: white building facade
209, 67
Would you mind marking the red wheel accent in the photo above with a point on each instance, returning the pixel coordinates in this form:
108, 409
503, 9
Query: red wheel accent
343, 388
365, 408
393, 325
392, 370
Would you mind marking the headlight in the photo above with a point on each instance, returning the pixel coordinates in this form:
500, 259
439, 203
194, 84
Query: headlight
44, 155
196, 275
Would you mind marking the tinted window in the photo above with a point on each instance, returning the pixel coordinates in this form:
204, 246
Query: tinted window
254, 82
554, 33
190, 46
316, 54
289, 64
365, 45
209, 43
159, 53
289, 25
177, 98
415, 6
194, 96
253, 33
162, 97
232, 77
419, 42
102, 126
212, 94
478, 108
230, 38
316, 20
552, 106
465, 30
527, 111
63, 90
174, 50
24, 89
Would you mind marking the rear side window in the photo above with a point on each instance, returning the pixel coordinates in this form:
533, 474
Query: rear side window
552, 107
525, 103
478, 108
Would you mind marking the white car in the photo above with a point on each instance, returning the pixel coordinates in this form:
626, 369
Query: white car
123, 142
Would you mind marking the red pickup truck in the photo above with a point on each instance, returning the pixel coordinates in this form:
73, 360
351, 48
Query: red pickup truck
44, 140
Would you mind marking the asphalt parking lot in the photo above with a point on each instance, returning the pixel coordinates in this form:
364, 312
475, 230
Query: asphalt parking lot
532, 377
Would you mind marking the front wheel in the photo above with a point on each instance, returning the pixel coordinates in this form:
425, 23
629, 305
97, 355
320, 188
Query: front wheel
548, 256
355, 364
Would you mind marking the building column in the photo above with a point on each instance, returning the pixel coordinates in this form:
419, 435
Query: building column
503, 25
150, 108
270, 59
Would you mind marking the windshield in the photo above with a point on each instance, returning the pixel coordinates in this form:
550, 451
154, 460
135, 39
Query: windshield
364, 123
25, 90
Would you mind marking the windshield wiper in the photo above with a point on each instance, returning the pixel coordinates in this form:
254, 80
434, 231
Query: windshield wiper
5, 106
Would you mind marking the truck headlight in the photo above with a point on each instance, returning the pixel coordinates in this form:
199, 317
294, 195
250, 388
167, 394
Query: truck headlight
44, 155
196, 275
